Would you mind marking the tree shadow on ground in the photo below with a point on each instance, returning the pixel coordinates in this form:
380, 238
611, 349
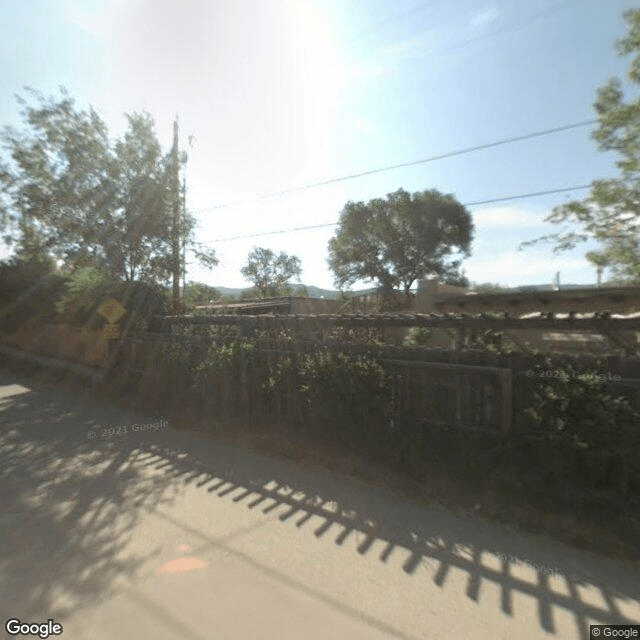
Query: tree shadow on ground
67, 506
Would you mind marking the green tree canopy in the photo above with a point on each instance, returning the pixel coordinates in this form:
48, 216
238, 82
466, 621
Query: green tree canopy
197, 293
271, 273
489, 287
69, 191
395, 241
610, 213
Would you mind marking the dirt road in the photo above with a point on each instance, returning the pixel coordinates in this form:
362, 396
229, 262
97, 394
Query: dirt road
146, 532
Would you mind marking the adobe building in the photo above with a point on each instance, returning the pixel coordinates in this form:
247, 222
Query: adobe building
434, 297
283, 305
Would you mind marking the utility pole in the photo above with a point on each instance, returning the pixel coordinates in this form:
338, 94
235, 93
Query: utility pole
175, 235
184, 226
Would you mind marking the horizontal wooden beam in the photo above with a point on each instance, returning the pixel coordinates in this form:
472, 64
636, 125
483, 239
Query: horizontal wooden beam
448, 321
444, 366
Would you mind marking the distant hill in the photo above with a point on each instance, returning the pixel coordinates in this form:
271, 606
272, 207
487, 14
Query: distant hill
490, 288
551, 287
314, 292
330, 294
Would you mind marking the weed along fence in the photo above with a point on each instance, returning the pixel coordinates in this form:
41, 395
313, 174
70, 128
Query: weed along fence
255, 365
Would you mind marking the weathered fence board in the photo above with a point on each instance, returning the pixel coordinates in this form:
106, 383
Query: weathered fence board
599, 323
468, 391
462, 389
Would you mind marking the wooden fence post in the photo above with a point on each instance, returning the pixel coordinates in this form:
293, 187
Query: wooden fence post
506, 378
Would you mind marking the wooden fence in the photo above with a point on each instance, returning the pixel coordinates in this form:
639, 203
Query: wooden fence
462, 389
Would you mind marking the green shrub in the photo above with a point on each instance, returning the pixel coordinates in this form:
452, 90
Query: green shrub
590, 435
224, 360
142, 300
88, 288
349, 397
29, 290
419, 336
222, 376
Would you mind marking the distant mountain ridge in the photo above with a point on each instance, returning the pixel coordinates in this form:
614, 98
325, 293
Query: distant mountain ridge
314, 292
330, 294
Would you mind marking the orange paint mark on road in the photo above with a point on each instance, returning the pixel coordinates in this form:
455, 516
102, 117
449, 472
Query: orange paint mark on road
179, 565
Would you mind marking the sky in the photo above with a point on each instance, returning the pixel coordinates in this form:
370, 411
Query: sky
281, 94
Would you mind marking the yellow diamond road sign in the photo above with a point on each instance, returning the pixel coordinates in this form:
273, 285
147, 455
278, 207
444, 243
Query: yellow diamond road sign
111, 331
112, 310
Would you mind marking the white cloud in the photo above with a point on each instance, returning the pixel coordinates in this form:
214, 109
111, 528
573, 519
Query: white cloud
484, 17
505, 217
514, 267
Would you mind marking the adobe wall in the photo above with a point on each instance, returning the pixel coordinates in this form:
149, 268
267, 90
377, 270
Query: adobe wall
65, 341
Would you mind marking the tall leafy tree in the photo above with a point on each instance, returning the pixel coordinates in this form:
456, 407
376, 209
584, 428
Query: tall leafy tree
197, 293
270, 273
138, 243
68, 190
395, 241
610, 213
61, 181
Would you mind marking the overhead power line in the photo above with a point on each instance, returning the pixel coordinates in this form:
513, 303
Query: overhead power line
333, 224
528, 195
392, 18
450, 154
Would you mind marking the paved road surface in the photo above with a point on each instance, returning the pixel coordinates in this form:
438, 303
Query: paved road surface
161, 534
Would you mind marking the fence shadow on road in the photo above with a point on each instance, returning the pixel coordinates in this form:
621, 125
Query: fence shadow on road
71, 504
432, 539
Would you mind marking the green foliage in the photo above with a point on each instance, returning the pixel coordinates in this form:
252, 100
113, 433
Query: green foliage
249, 294
488, 287
350, 397
137, 246
70, 191
588, 438
29, 290
577, 435
224, 360
419, 336
223, 378
280, 372
271, 273
622, 255
176, 353
197, 293
143, 301
456, 279
496, 341
61, 171
301, 291
573, 406
86, 289
396, 240
610, 213
342, 396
